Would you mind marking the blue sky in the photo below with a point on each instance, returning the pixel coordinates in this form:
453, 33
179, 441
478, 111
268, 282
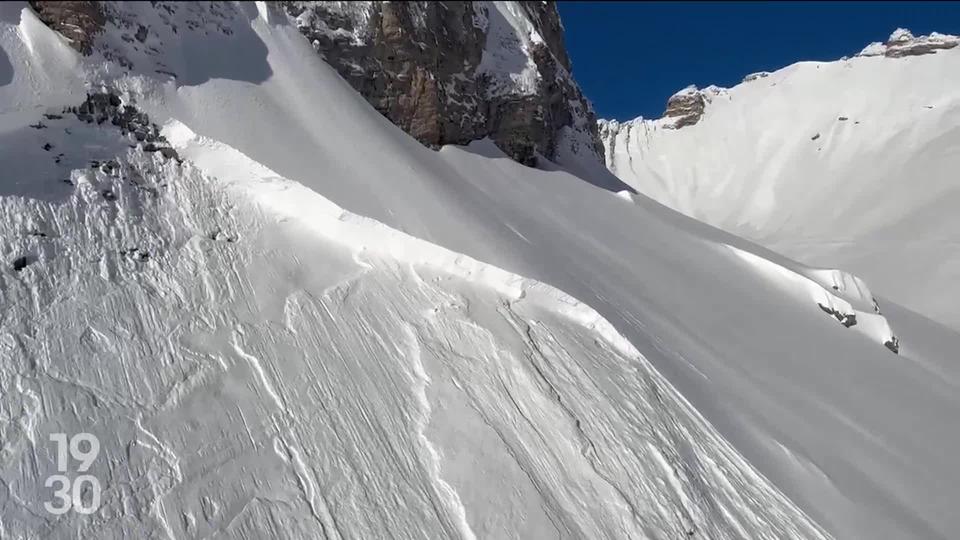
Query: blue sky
630, 57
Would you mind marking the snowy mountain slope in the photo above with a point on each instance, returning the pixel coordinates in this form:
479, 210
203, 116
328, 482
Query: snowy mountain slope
252, 306
845, 164
254, 288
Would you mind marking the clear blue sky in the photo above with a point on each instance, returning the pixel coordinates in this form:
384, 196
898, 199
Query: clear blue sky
630, 57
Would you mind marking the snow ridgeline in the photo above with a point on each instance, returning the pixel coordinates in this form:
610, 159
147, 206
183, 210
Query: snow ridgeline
837, 164
288, 198
687, 106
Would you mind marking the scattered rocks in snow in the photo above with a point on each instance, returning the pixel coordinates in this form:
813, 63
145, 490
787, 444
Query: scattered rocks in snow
846, 319
755, 76
106, 106
220, 236
39, 125
47, 147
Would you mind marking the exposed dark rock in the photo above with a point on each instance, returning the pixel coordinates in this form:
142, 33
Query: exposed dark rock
756, 76
47, 147
893, 345
815, 137
903, 43
79, 22
846, 319
22, 262
423, 66
108, 195
136, 254
220, 236
687, 107
842, 118
106, 106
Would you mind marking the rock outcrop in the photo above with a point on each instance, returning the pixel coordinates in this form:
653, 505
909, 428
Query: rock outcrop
686, 107
79, 22
454, 72
903, 43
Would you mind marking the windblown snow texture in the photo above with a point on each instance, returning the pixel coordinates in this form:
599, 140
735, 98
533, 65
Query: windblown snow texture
297, 321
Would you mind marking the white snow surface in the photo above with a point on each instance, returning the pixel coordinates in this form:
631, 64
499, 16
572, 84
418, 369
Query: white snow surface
848, 164
316, 327
507, 55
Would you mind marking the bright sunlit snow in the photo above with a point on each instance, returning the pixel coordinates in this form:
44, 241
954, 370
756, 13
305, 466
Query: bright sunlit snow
283, 317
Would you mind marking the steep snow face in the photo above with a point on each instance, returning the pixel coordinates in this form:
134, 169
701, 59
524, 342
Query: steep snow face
846, 164
314, 325
256, 361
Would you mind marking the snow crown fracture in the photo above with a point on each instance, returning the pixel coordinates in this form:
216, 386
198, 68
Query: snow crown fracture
444, 72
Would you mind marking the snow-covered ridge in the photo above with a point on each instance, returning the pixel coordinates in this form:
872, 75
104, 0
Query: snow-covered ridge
839, 164
688, 105
903, 43
289, 199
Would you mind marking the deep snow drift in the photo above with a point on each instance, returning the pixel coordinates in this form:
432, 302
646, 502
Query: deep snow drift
848, 164
307, 324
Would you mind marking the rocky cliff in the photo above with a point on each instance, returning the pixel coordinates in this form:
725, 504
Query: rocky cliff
453, 72
444, 72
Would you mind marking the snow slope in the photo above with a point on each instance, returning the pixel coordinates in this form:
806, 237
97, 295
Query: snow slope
316, 326
847, 164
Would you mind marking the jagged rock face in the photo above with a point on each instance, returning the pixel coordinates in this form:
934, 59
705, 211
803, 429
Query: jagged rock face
686, 107
454, 72
79, 22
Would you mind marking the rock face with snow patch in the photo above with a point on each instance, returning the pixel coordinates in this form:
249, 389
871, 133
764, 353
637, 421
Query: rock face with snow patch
686, 107
79, 22
902, 43
453, 72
